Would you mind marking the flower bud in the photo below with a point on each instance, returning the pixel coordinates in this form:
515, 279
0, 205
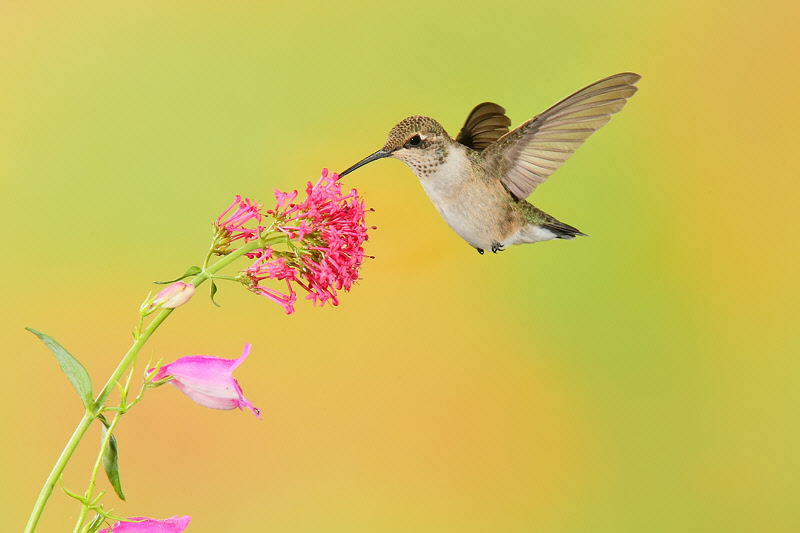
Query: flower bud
172, 296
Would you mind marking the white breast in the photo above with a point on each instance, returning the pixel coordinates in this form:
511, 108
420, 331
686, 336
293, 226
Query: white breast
438, 174
457, 198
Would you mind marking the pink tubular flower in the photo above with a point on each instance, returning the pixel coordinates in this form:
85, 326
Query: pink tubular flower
232, 228
329, 229
174, 295
207, 380
175, 524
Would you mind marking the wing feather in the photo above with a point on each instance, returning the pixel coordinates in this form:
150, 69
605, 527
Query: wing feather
528, 155
484, 125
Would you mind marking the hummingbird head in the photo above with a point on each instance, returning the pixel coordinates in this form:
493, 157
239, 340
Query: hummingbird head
420, 142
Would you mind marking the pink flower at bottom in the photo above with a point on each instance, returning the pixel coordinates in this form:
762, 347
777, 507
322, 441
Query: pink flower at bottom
207, 380
176, 524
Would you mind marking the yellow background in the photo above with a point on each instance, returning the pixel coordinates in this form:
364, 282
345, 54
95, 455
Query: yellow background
644, 379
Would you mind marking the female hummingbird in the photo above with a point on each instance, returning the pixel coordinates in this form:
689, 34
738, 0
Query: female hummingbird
479, 182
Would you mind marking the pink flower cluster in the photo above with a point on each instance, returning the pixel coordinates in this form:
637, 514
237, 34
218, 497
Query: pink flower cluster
324, 236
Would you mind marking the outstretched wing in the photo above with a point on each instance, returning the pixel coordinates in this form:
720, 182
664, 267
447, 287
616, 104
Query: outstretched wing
526, 156
485, 124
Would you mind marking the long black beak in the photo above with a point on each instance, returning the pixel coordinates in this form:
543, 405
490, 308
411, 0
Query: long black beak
377, 155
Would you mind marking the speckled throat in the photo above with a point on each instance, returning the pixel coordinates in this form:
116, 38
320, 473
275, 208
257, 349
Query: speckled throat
425, 162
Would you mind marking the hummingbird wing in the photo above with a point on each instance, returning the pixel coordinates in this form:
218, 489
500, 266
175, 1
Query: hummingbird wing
526, 156
485, 124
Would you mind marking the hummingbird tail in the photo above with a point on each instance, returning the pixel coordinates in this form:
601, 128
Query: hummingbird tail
544, 227
563, 231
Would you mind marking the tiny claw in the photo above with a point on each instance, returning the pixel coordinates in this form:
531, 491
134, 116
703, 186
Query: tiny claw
497, 247
480, 251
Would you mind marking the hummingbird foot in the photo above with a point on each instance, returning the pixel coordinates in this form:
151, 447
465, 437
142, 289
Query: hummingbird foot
497, 247
480, 250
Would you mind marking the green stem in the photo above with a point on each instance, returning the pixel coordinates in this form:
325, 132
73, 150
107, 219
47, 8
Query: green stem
227, 278
89, 504
66, 453
93, 478
92, 413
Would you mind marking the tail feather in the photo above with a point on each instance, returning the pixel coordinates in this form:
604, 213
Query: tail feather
563, 231
554, 228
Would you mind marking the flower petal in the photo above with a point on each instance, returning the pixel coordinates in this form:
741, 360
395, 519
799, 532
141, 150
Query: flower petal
245, 353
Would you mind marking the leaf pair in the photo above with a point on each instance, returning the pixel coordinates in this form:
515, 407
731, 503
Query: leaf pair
79, 377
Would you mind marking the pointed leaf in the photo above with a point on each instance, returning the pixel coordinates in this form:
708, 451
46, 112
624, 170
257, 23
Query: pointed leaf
110, 459
213, 292
191, 271
74, 370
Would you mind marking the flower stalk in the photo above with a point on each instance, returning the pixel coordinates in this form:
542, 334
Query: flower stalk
322, 236
91, 414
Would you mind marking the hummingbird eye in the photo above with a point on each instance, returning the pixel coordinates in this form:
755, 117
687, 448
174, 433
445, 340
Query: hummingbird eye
416, 140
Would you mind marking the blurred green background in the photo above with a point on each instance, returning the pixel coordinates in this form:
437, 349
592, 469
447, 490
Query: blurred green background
643, 379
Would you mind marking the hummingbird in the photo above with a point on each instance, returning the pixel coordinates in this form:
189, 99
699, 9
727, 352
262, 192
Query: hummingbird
479, 181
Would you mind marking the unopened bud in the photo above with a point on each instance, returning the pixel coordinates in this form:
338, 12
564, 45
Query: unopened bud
172, 296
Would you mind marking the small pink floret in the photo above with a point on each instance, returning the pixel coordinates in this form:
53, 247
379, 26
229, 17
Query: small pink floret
208, 380
239, 213
284, 198
176, 524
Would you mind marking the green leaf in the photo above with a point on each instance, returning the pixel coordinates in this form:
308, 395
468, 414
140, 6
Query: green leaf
76, 373
213, 292
191, 271
110, 459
